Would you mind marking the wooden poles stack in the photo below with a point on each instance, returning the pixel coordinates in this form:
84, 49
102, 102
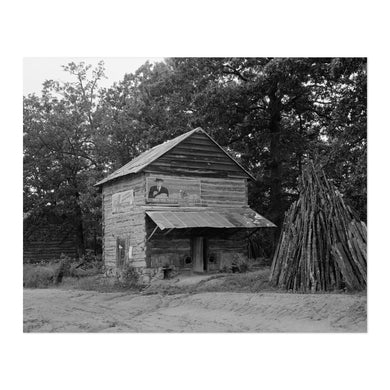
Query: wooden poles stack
323, 245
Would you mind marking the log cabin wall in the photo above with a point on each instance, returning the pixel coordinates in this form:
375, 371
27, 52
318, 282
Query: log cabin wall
167, 249
124, 224
227, 247
223, 246
203, 191
124, 221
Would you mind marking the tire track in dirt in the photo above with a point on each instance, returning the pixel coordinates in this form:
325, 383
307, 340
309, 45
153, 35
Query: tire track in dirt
55, 310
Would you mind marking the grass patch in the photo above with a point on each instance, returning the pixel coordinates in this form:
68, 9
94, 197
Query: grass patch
255, 281
38, 276
46, 274
99, 283
90, 278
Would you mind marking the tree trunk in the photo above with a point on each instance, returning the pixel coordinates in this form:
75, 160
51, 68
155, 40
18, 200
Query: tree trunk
79, 227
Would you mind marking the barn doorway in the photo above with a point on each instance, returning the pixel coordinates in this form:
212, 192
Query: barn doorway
120, 252
199, 254
123, 251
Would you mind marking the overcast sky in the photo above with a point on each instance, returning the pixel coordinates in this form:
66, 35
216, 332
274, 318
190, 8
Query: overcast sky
37, 70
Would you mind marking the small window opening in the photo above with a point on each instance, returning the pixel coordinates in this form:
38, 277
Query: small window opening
188, 260
212, 258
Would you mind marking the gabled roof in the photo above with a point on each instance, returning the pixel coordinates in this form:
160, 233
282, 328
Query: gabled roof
146, 158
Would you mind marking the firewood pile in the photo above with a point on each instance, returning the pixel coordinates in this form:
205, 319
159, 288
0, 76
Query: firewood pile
323, 245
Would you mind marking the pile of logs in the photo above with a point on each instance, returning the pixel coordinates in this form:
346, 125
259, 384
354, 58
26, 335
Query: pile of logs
323, 245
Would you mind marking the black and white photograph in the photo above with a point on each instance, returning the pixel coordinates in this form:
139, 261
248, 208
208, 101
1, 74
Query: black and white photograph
196, 194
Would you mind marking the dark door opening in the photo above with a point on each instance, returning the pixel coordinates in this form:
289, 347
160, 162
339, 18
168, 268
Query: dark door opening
205, 255
120, 252
199, 254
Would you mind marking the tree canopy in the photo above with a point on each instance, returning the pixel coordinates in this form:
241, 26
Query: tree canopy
272, 114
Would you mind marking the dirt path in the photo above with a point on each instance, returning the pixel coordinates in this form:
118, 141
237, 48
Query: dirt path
55, 310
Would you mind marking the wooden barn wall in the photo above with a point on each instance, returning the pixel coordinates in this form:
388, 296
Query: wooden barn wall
197, 156
225, 192
126, 223
214, 192
228, 247
172, 248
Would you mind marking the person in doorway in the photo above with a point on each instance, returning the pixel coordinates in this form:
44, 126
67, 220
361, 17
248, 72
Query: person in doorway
158, 191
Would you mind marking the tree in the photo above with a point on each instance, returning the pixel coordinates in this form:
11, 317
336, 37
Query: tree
272, 114
60, 162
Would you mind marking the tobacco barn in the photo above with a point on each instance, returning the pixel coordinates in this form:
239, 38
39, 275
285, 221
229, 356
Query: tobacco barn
182, 204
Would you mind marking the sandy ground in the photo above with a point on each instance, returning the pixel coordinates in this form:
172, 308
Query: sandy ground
56, 310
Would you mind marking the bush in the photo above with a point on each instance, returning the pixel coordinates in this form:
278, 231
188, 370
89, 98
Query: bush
240, 264
80, 270
38, 276
46, 273
256, 281
90, 257
129, 277
88, 265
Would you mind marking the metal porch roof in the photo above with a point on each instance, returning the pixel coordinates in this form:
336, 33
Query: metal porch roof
228, 218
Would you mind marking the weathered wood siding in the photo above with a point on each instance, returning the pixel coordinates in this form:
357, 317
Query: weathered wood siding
197, 156
126, 223
228, 247
172, 248
213, 191
224, 192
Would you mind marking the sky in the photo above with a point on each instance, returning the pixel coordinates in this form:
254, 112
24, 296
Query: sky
38, 69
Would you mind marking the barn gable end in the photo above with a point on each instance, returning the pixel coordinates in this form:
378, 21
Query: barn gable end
194, 153
197, 155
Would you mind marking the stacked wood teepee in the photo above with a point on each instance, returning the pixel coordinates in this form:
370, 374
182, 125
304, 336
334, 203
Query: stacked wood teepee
323, 245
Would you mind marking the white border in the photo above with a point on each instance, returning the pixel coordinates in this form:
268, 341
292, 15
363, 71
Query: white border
173, 28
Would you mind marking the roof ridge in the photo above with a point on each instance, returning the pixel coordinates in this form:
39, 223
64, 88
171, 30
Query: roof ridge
169, 143
147, 157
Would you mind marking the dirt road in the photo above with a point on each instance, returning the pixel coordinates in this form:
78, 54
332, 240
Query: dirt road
56, 310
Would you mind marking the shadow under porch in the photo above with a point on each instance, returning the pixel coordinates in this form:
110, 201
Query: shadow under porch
196, 250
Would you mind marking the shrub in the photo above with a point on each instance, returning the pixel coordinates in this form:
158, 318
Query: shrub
129, 277
241, 264
88, 265
38, 276
90, 257
80, 270
226, 269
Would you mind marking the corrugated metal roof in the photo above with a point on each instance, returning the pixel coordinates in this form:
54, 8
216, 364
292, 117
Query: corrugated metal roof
144, 159
229, 218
